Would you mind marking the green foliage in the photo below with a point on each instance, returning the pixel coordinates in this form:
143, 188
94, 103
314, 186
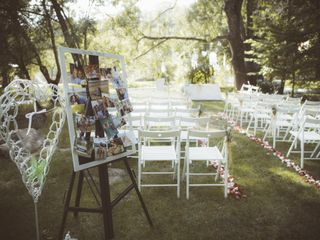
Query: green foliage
201, 74
287, 41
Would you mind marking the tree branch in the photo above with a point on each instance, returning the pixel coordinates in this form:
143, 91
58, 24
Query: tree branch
164, 11
218, 38
150, 49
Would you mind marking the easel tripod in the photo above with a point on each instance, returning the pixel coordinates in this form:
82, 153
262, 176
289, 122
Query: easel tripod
106, 204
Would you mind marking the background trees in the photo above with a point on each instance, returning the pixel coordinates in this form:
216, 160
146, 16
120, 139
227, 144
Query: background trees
259, 38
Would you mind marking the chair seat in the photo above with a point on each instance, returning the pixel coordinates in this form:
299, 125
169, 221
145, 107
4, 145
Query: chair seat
158, 153
204, 153
308, 136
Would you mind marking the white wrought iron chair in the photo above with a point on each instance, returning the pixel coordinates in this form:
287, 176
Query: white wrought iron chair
152, 153
204, 154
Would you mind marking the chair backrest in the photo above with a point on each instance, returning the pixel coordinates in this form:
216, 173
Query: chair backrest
311, 123
160, 112
193, 122
139, 111
187, 112
134, 121
159, 105
159, 122
171, 137
159, 134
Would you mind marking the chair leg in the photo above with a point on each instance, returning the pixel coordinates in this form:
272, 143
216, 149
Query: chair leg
302, 154
255, 126
139, 175
249, 124
184, 168
178, 178
187, 179
267, 132
291, 147
226, 183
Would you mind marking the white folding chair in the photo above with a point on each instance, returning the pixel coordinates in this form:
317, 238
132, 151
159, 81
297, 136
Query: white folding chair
259, 116
308, 133
206, 153
159, 153
281, 121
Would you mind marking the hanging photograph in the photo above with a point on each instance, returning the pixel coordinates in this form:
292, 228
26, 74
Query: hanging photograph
78, 96
92, 72
83, 147
110, 102
77, 75
128, 138
122, 94
99, 109
105, 74
96, 88
115, 146
116, 79
85, 123
124, 107
100, 148
109, 127
118, 121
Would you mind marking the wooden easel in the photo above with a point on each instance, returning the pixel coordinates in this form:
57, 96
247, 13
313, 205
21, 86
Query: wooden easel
105, 203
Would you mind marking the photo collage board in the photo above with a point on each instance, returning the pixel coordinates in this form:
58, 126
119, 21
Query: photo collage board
98, 108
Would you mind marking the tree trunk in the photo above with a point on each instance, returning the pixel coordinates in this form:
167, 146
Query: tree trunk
293, 83
233, 11
68, 37
251, 67
5, 78
53, 42
281, 88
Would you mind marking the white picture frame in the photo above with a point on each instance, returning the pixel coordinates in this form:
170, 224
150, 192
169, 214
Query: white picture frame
62, 51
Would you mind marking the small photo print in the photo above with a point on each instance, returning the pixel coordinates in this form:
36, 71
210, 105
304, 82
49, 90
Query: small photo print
118, 121
99, 109
77, 99
106, 74
100, 148
122, 94
77, 75
109, 127
92, 72
109, 102
83, 148
126, 107
85, 123
128, 138
96, 88
115, 147
116, 80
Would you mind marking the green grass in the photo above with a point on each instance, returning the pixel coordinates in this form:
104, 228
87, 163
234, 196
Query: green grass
278, 203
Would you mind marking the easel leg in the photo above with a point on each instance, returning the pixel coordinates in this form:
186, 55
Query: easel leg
66, 205
79, 190
137, 191
105, 201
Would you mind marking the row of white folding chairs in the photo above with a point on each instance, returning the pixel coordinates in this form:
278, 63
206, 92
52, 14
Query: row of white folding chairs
284, 124
155, 123
166, 112
150, 153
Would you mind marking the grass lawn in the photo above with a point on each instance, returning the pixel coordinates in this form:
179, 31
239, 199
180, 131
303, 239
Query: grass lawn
278, 203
